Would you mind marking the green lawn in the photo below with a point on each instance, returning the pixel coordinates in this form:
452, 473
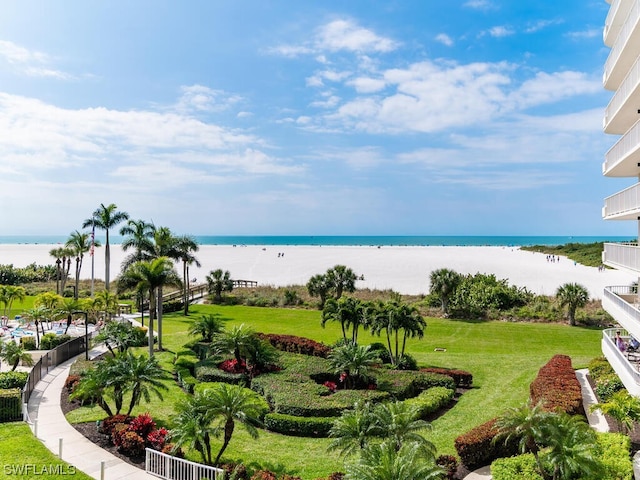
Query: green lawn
503, 358
25, 457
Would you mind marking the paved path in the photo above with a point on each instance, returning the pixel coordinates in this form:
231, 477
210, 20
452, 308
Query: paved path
596, 420
52, 427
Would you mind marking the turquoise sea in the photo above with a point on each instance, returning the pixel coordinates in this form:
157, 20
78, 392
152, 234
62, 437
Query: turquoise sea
349, 240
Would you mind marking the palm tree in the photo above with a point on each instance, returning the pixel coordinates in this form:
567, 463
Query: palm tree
185, 247
207, 326
79, 243
352, 362
150, 275
319, 286
391, 317
193, 425
341, 279
444, 283
526, 424
353, 430
381, 461
400, 423
573, 296
218, 282
235, 341
146, 377
13, 354
571, 453
37, 314
138, 235
348, 311
8, 295
118, 335
623, 408
92, 387
66, 308
63, 265
229, 404
106, 302
105, 218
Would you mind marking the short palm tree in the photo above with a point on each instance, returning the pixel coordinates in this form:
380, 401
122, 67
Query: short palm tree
193, 425
185, 248
235, 341
8, 295
348, 311
443, 282
381, 461
572, 296
146, 377
400, 423
13, 354
353, 430
319, 286
79, 243
341, 279
352, 362
207, 326
218, 282
228, 404
92, 388
623, 408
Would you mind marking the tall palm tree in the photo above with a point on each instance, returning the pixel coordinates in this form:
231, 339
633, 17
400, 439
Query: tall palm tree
105, 218
393, 316
13, 353
381, 461
207, 326
218, 282
63, 265
229, 404
353, 430
150, 275
443, 282
185, 247
138, 235
572, 296
319, 286
79, 243
348, 311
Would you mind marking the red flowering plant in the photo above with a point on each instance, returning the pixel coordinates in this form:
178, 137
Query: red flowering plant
233, 366
143, 425
157, 439
331, 386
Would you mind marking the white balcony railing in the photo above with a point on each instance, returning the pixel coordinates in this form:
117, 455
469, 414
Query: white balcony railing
624, 256
169, 467
618, 12
613, 60
619, 115
626, 370
624, 205
622, 159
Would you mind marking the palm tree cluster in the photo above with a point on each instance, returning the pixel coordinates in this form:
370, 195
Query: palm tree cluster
334, 282
562, 445
397, 320
388, 440
8, 295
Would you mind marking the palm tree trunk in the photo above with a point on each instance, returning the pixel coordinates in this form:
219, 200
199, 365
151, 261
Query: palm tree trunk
152, 306
228, 432
159, 303
107, 260
185, 280
135, 395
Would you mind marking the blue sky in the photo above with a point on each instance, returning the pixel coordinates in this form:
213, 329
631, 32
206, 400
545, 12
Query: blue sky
478, 117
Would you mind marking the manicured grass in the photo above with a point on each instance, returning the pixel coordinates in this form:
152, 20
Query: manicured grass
503, 358
25, 457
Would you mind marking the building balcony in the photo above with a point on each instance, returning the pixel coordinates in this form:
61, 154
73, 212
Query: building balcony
624, 51
615, 20
621, 302
622, 112
624, 364
623, 159
622, 256
624, 205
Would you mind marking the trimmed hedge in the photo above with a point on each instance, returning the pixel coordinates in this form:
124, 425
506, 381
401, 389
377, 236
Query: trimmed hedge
557, 387
208, 371
402, 384
461, 377
294, 344
10, 405
521, 467
476, 448
298, 426
50, 340
432, 400
13, 380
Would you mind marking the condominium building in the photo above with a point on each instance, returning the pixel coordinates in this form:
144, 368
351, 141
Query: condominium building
622, 118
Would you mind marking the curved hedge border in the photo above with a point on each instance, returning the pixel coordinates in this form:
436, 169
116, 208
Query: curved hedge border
298, 426
432, 400
461, 377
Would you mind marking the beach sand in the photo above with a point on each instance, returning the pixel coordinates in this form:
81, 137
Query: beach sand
403, 269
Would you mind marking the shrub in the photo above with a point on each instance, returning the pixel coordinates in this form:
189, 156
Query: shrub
476, 448
298, 426
185, 379
264, 475
236, 471
557, 387
143, 425
10, 405
407, 362
293, 344
206, 372
28, 343
157, 439
461, 377
449, 464
607, 385
599, 367
71, 382
615, 457
407, 384
13, 380
521, 467
51, 340
109, 423
187, 362
131, 444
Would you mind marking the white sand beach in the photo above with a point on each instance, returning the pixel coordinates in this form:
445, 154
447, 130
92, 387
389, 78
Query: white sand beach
403, 269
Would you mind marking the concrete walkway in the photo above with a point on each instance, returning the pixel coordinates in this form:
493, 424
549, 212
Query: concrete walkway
596, 420
52, 429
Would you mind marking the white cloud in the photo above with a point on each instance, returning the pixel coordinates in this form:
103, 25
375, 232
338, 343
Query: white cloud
367, 85
346, 35
444, 39
500, 31
479, 4
30, 62
540, 25
590, 33
198, 98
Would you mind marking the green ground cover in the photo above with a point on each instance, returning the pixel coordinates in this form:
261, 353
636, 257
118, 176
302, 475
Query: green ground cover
25, 457
503, 357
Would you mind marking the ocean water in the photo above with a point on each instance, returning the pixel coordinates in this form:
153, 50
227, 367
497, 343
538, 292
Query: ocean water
349, 240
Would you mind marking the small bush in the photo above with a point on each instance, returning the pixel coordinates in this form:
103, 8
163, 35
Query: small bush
13, 380
109, 423
461, 377
50, 341
521, 467
607, 385
298, 426
28, 343
557, 387
477, 447
449, 464
294, 344
432, 400
207, 372
10, 405
143, 425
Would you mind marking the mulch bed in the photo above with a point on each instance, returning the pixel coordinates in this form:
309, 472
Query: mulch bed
90, 431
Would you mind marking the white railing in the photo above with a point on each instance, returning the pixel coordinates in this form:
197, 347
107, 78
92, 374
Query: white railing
627, 371
173, 468
621, 303
622, 149
621, 41
625, 201
624, 91
622, 255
